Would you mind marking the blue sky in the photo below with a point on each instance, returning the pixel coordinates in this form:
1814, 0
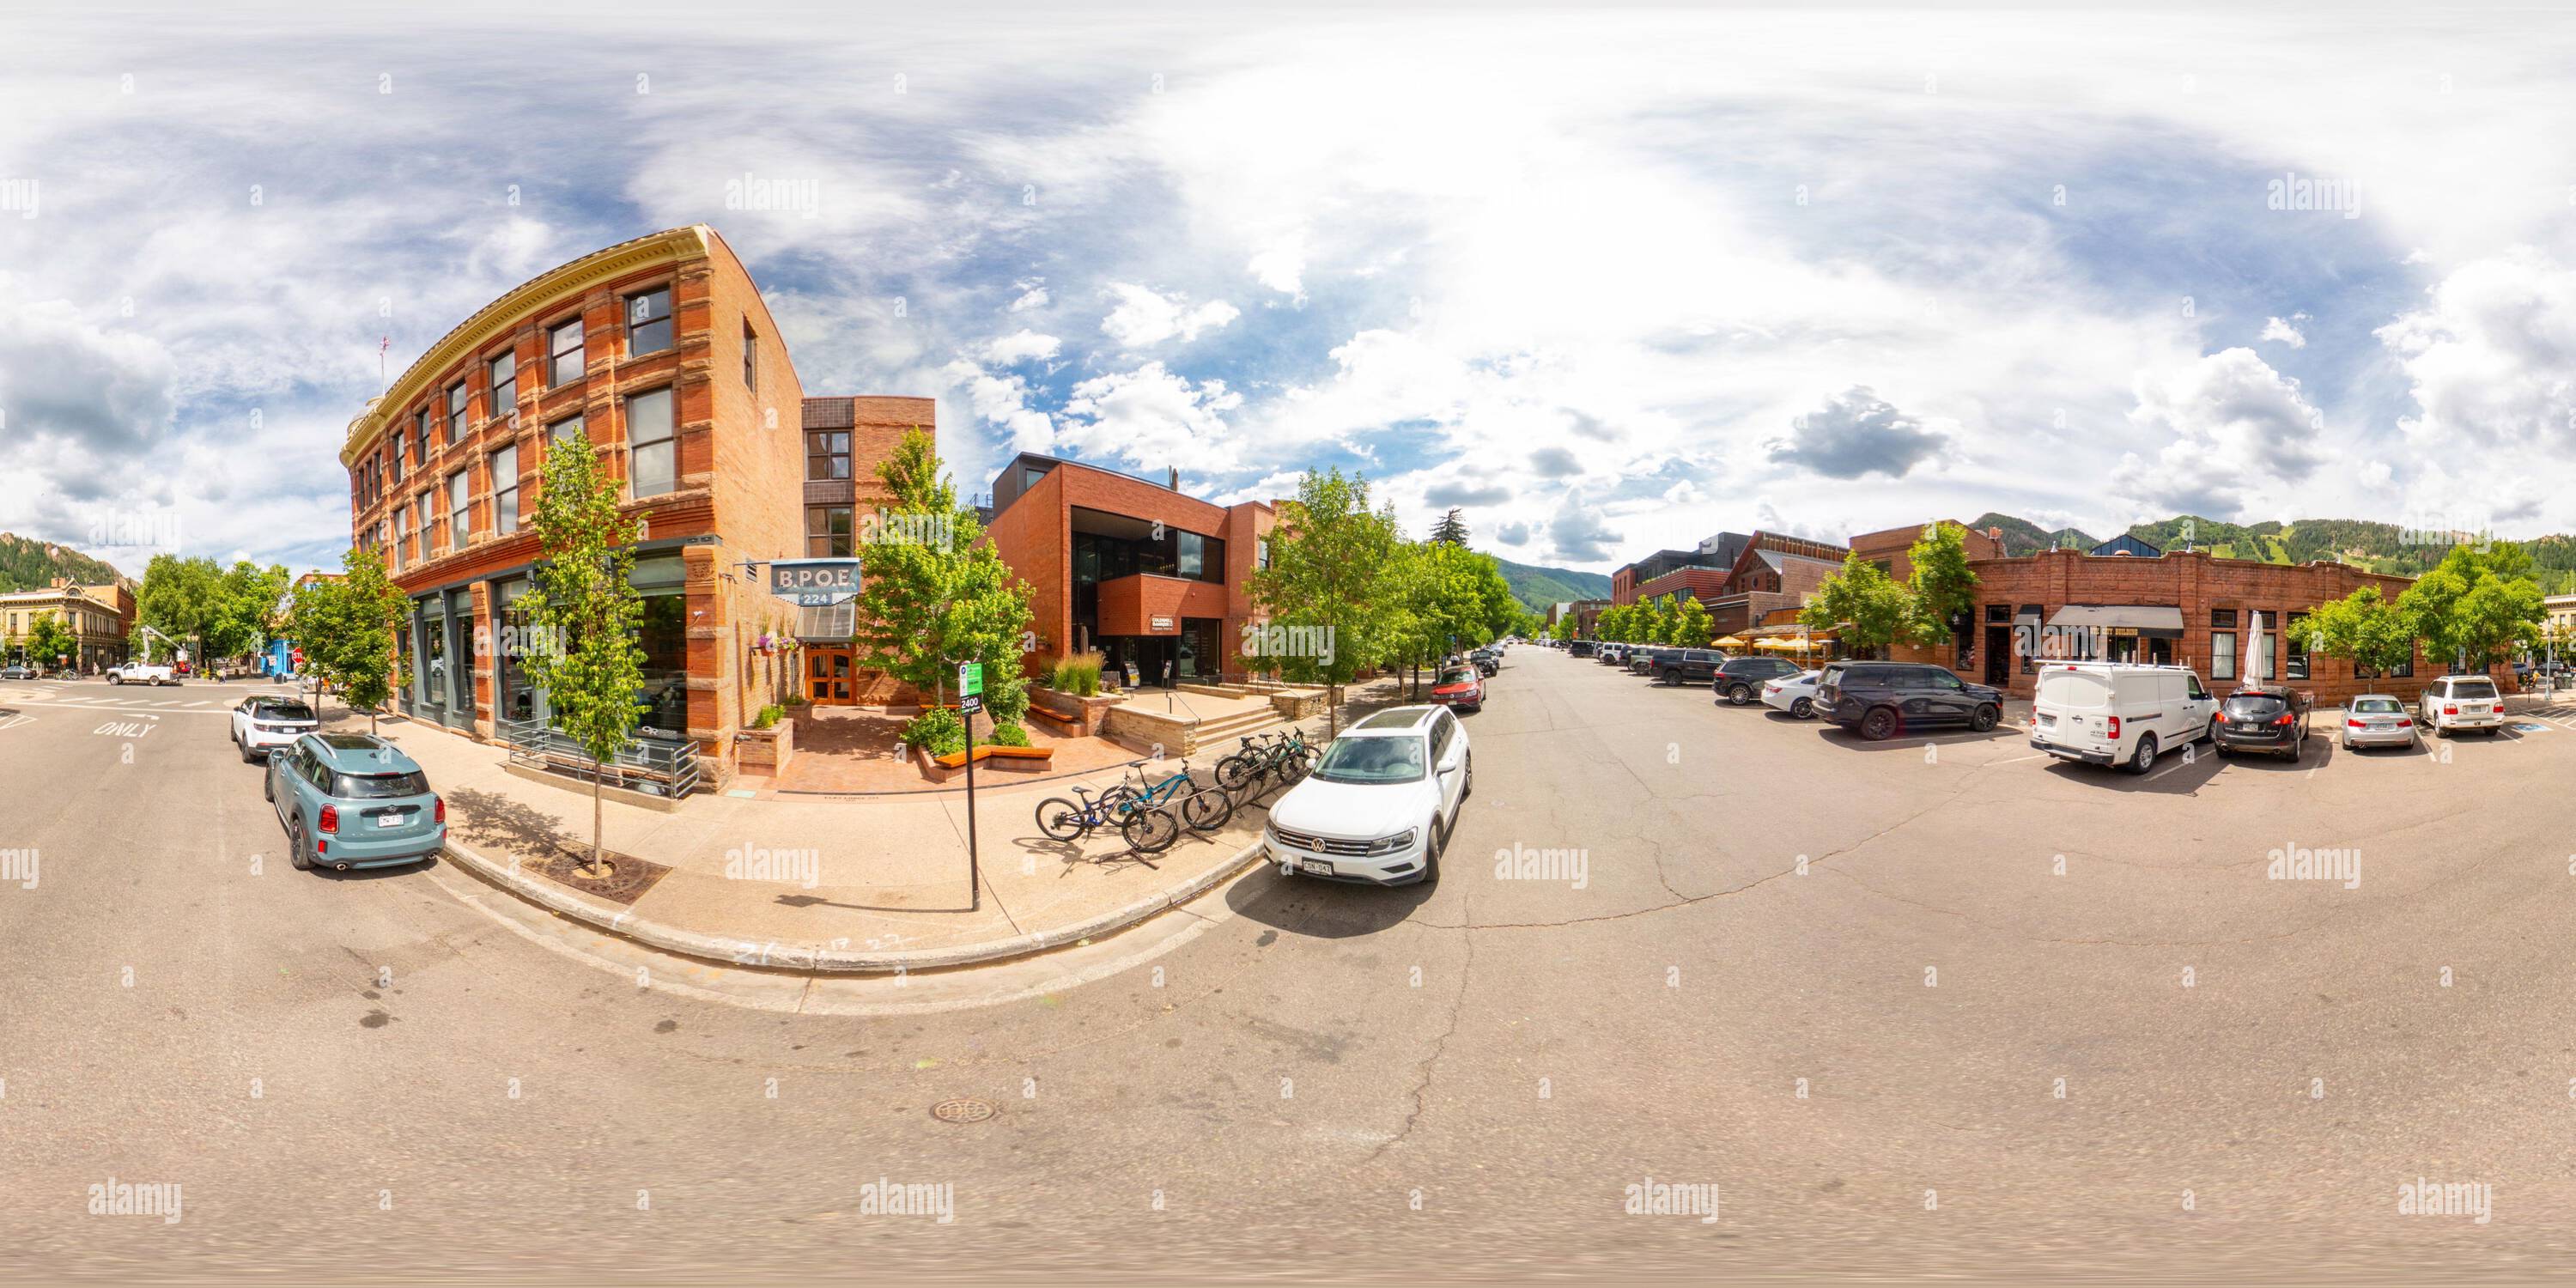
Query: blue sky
1612, 281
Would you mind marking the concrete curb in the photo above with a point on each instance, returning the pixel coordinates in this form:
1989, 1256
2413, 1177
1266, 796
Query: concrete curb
823, 959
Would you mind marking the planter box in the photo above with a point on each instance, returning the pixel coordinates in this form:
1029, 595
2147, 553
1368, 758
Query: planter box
993, 758
1084, 715
766, 751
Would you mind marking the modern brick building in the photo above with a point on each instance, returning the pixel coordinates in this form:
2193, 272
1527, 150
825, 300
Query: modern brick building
661, 352
101, 616
1150, 577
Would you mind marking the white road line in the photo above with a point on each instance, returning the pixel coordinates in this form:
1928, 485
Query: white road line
199, 702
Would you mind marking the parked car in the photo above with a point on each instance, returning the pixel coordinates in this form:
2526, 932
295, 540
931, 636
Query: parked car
1648, 659
142, 673
264, 723
1381, 803
350, 800
1738, 681
2461, 702
2377, 720
1582, 648
1460, 687
16, 672
1487, 660
1614, 653
2118, 713
1795, 694
2260, 719
1883, 699
1688, 665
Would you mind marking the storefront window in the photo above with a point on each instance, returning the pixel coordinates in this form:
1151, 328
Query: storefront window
433, 657
2294, 645
518, 696
664, 636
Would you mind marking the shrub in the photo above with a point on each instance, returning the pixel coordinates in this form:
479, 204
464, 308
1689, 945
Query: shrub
1006, 699
938, 730
796, 699
1009, 735
1078, 675
768, 717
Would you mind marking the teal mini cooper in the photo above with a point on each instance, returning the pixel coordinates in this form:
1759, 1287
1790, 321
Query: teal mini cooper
350, 800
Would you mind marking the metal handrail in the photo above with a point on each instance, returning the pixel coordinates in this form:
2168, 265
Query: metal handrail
645, 764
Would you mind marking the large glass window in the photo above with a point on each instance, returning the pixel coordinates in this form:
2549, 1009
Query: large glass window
648, 322
827, 531
648, 440
518, 697
402, 525
503, 401
2294, 646
505, 491
663, 634
460, 512
420, 527
456, 412
2267, 646
568, 427
420, 438
431, 680
564, 363
1193, 556
827, 454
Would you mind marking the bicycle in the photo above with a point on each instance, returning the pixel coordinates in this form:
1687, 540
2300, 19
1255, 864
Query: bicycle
1264, 755
1147, 828
1205, 809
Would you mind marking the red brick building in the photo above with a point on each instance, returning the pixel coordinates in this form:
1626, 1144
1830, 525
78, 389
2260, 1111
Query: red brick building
1135, 569
661, 353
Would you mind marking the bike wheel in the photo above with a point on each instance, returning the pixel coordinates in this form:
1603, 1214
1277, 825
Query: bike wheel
1150, 830
1207, 809
1234, 771
1061, 819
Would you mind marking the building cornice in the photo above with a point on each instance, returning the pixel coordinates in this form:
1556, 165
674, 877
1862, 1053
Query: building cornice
671, 246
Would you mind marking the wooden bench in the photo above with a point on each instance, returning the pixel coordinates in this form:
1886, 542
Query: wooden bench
1069, 722
995, 751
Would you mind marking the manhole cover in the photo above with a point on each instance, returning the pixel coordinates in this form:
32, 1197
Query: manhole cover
962, 1111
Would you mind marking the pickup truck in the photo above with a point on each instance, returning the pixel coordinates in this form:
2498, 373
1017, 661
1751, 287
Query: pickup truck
142, 673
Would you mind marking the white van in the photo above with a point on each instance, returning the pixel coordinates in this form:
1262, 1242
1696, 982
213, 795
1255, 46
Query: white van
2118, 713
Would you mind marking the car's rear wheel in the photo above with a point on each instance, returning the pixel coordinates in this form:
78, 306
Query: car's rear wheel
295, 851
1739, 694
247, 757
1879, 725
2144, 758
1672, 677
1984, 718
1802, 709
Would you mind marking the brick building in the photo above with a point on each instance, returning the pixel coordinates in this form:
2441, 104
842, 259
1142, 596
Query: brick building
662, 354
1133, 568
102, 616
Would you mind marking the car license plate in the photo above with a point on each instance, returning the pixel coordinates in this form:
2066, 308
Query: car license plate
389, 820
1315, 867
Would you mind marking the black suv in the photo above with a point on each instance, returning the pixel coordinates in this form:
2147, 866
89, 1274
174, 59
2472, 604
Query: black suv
1687, 665
1740, 680
1581, 648
2252, 719
1882, 699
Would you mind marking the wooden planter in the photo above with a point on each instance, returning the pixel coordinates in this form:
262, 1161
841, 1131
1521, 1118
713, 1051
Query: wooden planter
1068, 715
990, 756
765, 751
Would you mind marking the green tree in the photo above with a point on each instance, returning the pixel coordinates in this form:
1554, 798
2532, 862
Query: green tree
935, 594
2478, 601
1330, 568
1563, 630
1442, 602
52, 642
1869, 609
1691, 626
345, 625
2363, 628
243, 617
180, 598
585, 612
1450, 530
1943, 586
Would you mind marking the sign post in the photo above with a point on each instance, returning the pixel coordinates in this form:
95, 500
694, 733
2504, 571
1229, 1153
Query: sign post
970, 699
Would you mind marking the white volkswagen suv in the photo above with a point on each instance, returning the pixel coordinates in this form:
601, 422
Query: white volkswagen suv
1380, 804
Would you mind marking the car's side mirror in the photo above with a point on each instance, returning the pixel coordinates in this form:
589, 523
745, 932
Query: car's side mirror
1449, 764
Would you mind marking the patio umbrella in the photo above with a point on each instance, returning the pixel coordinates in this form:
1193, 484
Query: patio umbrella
1731, 641
1784, 644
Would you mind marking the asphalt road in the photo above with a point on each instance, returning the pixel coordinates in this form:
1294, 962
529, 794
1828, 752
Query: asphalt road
1840, 983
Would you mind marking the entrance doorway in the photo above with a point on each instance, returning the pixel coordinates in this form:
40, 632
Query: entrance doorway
1998, 655
828, 672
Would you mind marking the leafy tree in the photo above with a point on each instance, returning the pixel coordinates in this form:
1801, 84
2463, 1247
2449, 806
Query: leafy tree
1564, 629
243, 616
586, 612
2363, 628
180, 598
1443, 602
1691, 626
1943, 586
1331, 560
1450, 530
345, 626
2480, 600
938, 594
1868, 607
52, 642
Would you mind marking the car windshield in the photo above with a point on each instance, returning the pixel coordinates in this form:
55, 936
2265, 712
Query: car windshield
1371, 760
1457, 677
377, 787
2475, 690
2376, 706
2255, 704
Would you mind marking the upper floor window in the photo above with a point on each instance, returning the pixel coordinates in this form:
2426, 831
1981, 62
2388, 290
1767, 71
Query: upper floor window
827, 454
402, 530
460, 512
750, 358
569, 427
420, 436
654, 467
565, 363
456, 412
827, 531
393, 460
420, 527
504, 397
648, 322
505, 490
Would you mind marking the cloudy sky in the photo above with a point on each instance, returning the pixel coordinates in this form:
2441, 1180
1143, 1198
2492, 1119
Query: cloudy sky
1610, 281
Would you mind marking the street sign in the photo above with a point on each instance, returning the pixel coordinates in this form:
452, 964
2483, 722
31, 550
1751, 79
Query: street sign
970, 678
814, 583
970, 704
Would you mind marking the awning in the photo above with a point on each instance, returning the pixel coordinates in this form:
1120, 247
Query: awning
2150, 620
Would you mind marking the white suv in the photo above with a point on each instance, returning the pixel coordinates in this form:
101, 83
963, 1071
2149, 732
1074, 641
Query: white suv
2462, 702
1381, 802
266, 722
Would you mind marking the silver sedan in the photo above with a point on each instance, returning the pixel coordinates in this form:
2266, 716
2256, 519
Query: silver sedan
2377, 720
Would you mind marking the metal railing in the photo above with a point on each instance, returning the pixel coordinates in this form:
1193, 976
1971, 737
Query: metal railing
649, 765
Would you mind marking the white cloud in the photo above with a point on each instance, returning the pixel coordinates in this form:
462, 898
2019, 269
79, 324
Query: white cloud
2240, 435
1152, 419
2492, 356
1144, 318
2277, 329
1282, 267
1020, 346
1033, 295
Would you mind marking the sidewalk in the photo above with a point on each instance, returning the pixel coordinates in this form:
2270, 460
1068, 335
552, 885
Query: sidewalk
851, 884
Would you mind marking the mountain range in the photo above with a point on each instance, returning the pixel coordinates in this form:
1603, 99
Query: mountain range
29, 564
1538, 587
